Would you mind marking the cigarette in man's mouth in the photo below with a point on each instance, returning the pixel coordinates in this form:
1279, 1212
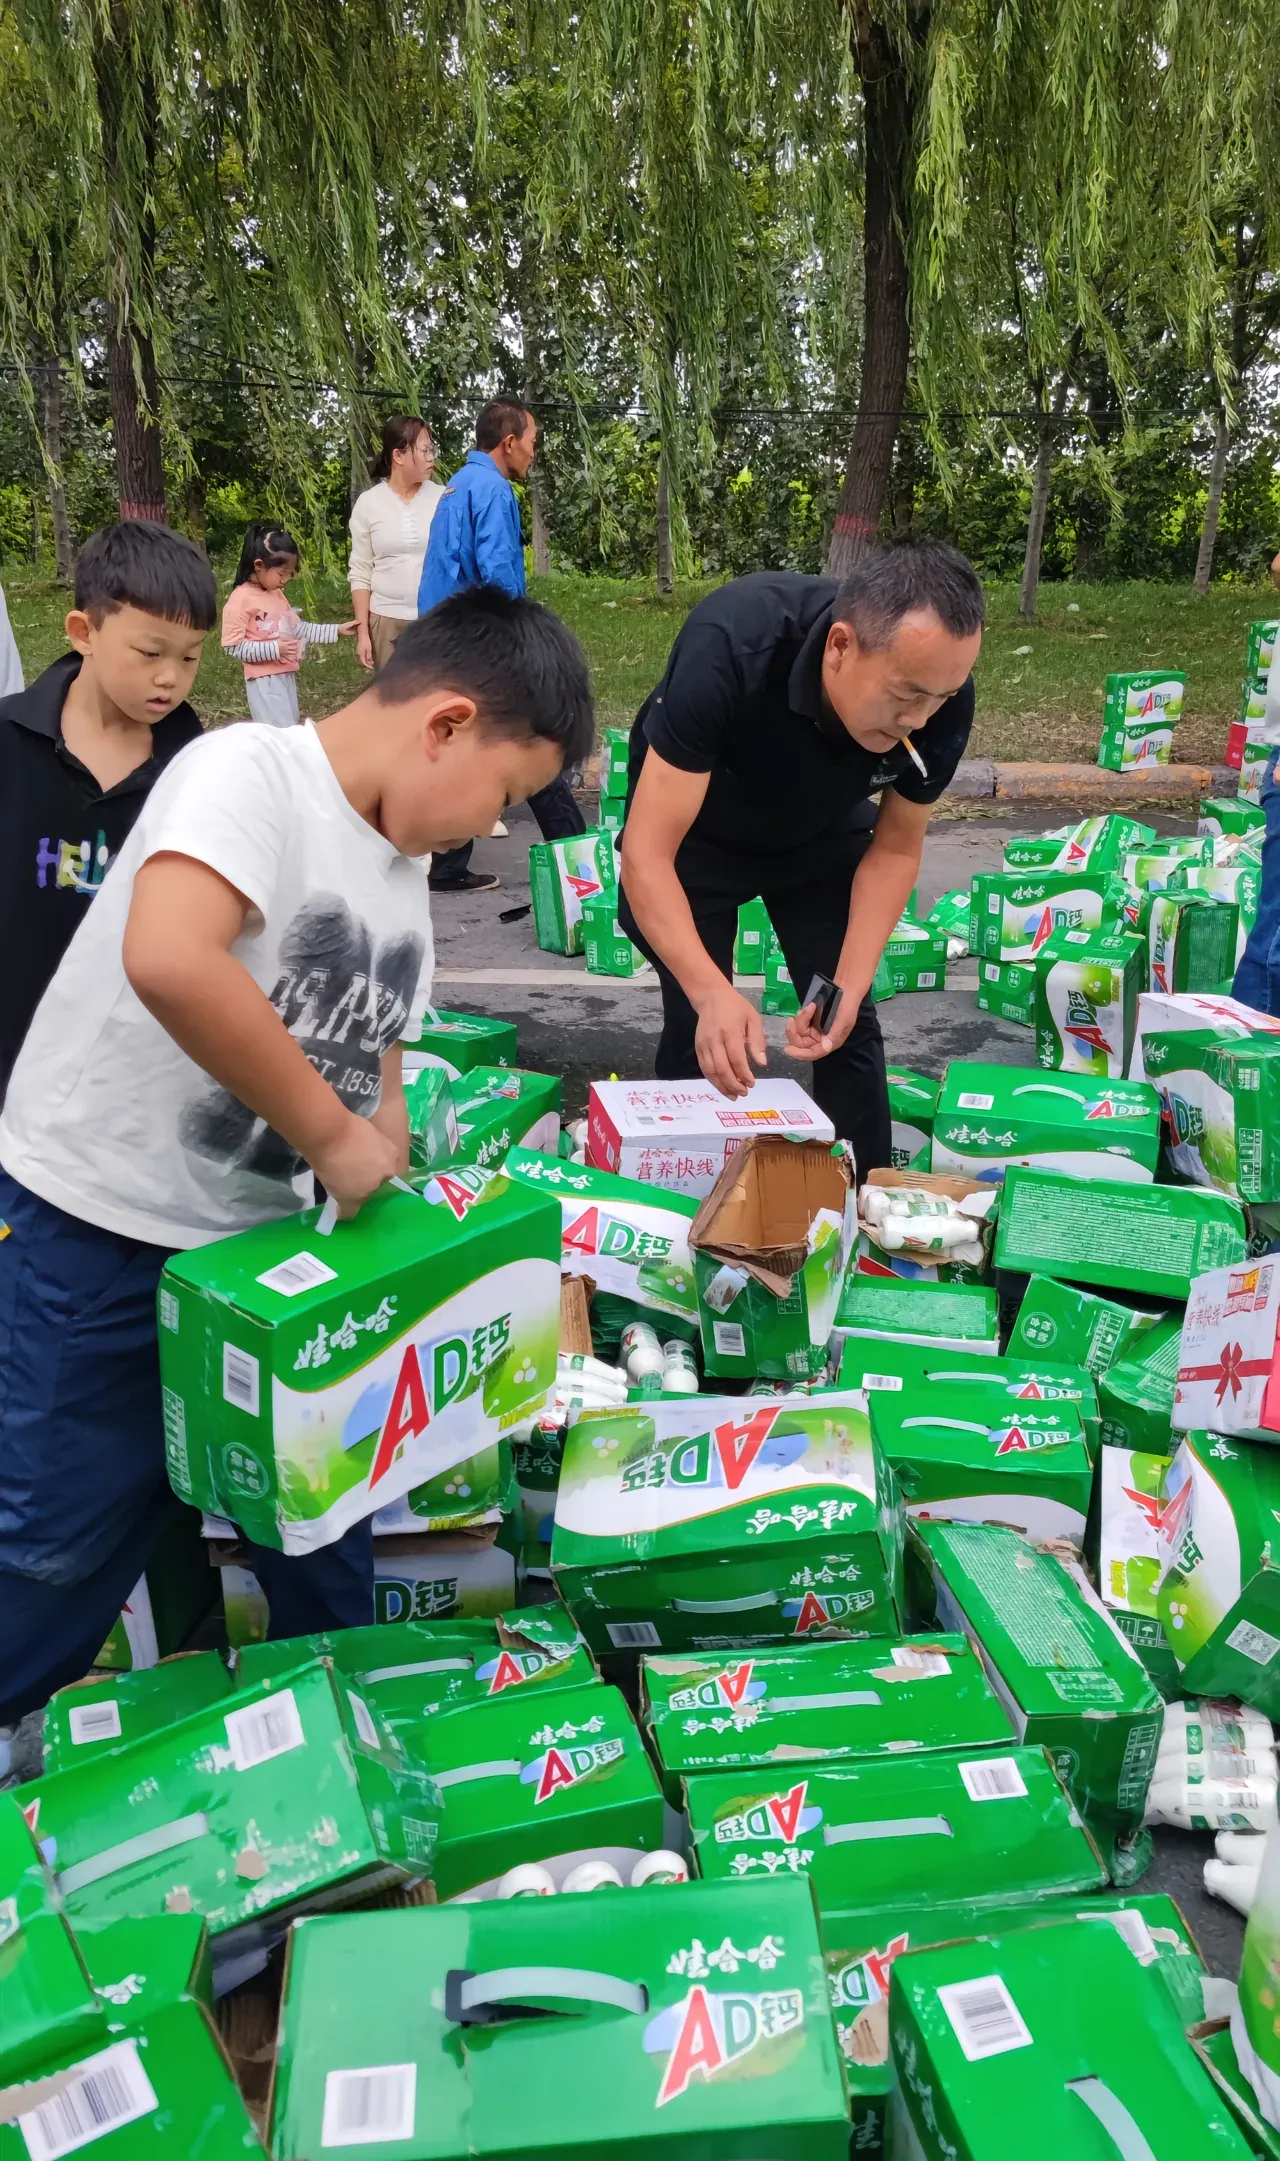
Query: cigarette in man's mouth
914, 756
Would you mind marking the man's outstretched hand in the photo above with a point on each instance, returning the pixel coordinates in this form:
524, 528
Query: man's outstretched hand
730, 1036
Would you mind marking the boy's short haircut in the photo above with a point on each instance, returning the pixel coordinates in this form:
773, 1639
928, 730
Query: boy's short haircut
498, 419
523, 667
137, 564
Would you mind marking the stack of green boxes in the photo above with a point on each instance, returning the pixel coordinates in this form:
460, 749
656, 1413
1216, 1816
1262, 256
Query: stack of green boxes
1246, 749
1140, 713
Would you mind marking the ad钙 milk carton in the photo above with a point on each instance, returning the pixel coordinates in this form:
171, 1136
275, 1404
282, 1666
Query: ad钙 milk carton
1219, 1593
564, 875
1146, 1238
1014, 912
456, 1042
1127, 1559
1087, 988
986, 1460
630, 1239
1221, 1093
990, 1117
913, 1098
1139, 717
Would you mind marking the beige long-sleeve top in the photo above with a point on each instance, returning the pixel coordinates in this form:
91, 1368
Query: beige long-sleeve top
388, 545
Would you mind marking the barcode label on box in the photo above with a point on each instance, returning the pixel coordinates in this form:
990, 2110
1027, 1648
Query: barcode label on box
175, 1441
993, 1778
240, 1378
370, 2107
169, 1311
363, 1717
921, 1665
926, 979
729, 1339
94, 1722
974, 1102
882, 1380
984, 2017
633, 1635
303, 1273
102, 2093
263, 1730
1253, 1643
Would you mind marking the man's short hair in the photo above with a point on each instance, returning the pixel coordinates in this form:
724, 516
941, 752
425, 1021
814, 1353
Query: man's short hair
900, 580
523, 667
137, 564
500, 418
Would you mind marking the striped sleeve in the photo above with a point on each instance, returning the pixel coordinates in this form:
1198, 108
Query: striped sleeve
319, 633
253, 649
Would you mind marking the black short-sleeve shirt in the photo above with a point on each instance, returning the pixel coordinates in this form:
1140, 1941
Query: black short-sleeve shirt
742, 699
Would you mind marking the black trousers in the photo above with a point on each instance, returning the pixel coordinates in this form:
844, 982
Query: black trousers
806, 891
554, 808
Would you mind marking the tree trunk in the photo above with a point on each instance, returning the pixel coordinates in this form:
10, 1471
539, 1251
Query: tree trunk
662, 526
1213, 503
64, 554
1028, 591
126, 106
538, 519
888, 118
133, 396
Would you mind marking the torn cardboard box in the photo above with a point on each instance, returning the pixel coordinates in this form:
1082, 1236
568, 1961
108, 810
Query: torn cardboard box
1075, 1326
770, 1244
1126, 1557
1219, 1592
986, 1460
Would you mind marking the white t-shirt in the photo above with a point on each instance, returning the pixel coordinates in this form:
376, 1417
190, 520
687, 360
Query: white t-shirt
389, 545
105, 1116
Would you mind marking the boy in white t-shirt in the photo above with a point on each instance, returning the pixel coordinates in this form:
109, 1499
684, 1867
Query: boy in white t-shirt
228, 1015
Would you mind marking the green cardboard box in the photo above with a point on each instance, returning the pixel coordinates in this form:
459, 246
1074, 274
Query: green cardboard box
1139, 715
498, 1108
1161, 1013
165, 1605
1221, 1093
465, 1574
1008, 990
1239, 883
410, 1670
913, 1098
1135, 1393
613, 813
1054, 2028
1151, 1239
615, 756
564, 875
308, 1380
754, 937
108, 1711
1062, 1669
433, 1121
558, 1778
1093, 844
1086, 1000
699, 2027
950, 914
916, 956
1126, 1557
895, 1364
1077, 1327
905, 1830
984, 1461
990, 1117
770, 1244
1212, 2042
1223, 814
140, 1966
941, 1316
457, 1042
882, 982
1034, 851
710, 1522
1191, 940
1219, 1593
1014, 912
1263, 636
779, 994
608, 949
47, 2004
858, 1973
630, 1238
163, 2091
826, 1702
281, 1797
1154, 868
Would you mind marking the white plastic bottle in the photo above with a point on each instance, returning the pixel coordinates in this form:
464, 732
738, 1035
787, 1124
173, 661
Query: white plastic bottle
528, 1879
661, 1867
679, 1371
640, 1351
592, 1876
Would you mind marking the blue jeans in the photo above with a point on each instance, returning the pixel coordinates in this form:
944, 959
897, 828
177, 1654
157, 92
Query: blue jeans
83, 1493
1257, 980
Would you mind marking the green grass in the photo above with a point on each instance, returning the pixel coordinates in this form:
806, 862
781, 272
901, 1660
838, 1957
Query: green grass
1045, 703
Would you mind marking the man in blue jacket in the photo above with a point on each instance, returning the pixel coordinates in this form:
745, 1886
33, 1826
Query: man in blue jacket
475, 540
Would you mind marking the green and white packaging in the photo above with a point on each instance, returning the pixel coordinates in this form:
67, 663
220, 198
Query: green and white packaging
1191, 940
1228, 1375
1014, 912
779, 994
1219, 1594
1254, 2020
612, 814
1008, 990
1127, 1558
1254, 761
605, 943
950, 914
983, 1460
1263, 636
829, 1702
433, 1121
615, 755
630, 1239
1093, 844
309, 1380
1151, 1239
916, 956
708, 1522
1160, 1013
754, 937
47, 2003
1221, 1093
247, 1812
1135, 1394
990, 1117
906, 1830
457, 1042
1086, 1000
770, 1244
1240, 883
558, 1779
106, 1711
1139, 715
1063, 1671
499, 1108
410, 1670
1155, 866
140, 1966
1076, 1327
1056, 2028
1211, 2040
165, 1605
564, 875
913, 1098
941, 1316
692, 2025
1223, 814
461, 1574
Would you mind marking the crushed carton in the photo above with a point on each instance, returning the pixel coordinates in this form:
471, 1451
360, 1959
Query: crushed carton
913, 1098
1191, 940
770, 1245
1127, 1557
754, 937
1221, 1094
1087, 988
108, 1711
1223, 814
608, 949
456, 1042
1056, 2028
902, 1830
499, 1108
984, 1461
1014, 912
1007, 989
47, 2002
1092, 844
699, 2027
467, 1574
714, 1521
679, 1134
1151, 1239
950, 914
1062, 1669
1228, 1371
916, 956
410, 1670
1139, 715
992, 1116
1077, 1327
1160, 1013
309, 1380
564, 876
630, 1239
942, 1316
828, 1702
1135, 1393
1219, 1592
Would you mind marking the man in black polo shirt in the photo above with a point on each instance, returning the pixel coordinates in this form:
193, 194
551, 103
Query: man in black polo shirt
753, 765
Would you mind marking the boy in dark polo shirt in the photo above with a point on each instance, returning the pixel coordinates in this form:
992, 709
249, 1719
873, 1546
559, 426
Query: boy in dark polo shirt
81, 749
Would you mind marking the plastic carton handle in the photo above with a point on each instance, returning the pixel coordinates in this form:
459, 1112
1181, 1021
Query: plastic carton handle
748, 1604
1114, 2118
484, 1999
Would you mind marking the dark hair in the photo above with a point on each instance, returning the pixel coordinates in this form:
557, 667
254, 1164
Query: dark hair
269, 545
138, 564
500, 418
912, 574
524, 668
400, 431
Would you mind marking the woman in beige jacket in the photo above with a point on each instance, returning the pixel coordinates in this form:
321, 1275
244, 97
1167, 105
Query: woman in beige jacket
390, 523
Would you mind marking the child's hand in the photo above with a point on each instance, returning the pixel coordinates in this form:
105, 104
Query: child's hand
290, 648
356, 1163
348, 630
